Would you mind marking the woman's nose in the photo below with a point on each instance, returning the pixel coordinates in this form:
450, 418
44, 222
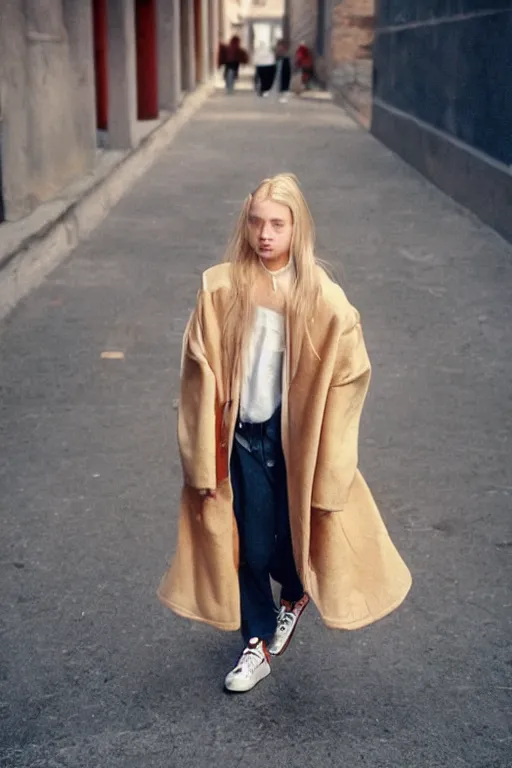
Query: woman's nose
265, 230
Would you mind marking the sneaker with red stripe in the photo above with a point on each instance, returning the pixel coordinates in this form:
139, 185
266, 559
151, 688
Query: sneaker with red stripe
253, 666
287, 619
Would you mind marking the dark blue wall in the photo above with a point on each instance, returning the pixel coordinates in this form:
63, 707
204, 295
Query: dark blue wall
449, 63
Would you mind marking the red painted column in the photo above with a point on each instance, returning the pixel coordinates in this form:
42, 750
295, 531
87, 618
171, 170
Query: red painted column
198, 38
147, 59
100, 31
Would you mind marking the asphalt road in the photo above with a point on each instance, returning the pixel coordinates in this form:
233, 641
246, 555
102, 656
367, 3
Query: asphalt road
94, 671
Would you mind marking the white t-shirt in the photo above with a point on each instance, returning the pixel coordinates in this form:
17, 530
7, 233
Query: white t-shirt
264, 57
263, 370
263, 364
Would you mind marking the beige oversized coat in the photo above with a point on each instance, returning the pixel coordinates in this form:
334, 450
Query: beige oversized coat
345, 558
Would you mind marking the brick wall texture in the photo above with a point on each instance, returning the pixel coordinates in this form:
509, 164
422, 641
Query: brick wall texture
352, 34
352, 23
347, 63
352, 30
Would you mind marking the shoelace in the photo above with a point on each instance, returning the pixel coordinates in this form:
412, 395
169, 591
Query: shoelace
250, 660
284, 618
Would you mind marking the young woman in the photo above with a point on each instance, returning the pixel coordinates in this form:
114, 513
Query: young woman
274, 375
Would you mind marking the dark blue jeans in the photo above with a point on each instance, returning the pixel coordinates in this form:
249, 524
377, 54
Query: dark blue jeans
258, 477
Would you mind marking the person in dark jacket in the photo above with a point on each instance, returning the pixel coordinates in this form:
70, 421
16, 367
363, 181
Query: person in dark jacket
230, 57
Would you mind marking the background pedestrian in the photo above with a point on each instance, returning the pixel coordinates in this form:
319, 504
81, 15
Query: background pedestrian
265, 64
284, 69
304, 63
231, 56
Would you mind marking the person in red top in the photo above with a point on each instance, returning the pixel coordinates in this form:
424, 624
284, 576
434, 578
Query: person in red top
304, 62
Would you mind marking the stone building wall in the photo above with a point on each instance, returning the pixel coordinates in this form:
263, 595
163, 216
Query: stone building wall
48, 112
341, 34
442, 97
303, 19
46, 140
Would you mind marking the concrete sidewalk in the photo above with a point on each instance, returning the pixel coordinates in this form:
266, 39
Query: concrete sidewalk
93, 670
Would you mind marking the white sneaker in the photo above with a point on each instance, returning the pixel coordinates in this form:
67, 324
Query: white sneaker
287, 619
253, 666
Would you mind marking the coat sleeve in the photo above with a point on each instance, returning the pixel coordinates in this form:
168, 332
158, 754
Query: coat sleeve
196, 413
338, 447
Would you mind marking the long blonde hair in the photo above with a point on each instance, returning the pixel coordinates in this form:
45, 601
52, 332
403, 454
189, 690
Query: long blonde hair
283, 188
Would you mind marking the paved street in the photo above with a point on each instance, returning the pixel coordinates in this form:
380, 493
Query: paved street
93, 670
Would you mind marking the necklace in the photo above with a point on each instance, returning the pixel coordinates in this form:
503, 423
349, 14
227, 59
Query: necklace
274, 274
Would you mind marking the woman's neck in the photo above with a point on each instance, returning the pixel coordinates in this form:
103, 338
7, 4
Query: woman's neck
278, 266
281, 282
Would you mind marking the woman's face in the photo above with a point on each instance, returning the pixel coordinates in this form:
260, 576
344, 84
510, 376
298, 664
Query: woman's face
270, 232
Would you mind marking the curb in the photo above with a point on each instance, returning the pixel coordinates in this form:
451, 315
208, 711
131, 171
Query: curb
27, 263
342, 101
